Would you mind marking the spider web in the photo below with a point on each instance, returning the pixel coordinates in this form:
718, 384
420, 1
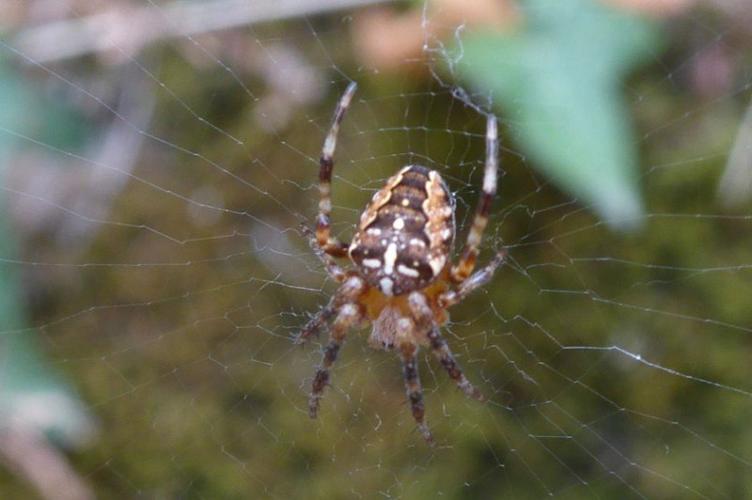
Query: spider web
166, 275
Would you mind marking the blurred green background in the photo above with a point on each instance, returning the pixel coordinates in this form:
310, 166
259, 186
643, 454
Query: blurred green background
157, 159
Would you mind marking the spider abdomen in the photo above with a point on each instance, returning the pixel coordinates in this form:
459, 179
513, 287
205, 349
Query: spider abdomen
406, 232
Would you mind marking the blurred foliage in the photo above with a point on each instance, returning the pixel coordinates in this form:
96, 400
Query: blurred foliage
31, 391
558, 80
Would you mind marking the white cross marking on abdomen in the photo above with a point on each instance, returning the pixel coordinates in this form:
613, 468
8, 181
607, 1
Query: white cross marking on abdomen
390, 257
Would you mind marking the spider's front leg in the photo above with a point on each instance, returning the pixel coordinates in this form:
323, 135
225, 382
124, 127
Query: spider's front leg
329, 244
475, 281
332, 269
466, 264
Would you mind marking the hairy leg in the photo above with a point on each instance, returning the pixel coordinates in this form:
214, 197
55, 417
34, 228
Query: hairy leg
413, 388
317, 322
332, 269
474, 282
424, 317
347, 293
349, 316
466, 264
442, 352
326, 164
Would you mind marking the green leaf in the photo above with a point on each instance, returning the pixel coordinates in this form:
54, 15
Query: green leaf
32, 393
558, 82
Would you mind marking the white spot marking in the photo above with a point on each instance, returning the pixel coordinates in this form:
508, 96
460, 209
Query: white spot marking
386, 286
473, 238
489, 181
446, 233
404, 328
489, 176
329, 144
417, 300
437, 264
418, 242
398, 224
354, 282
407, 271
384, 243
372, 263
349, 310
405, 202
374, 231
390, 257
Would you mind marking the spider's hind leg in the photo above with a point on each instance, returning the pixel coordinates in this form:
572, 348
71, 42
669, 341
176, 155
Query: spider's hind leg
349, 316
446, 358
423, 314
413, 388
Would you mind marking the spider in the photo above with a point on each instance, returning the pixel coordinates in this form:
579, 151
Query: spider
403, 282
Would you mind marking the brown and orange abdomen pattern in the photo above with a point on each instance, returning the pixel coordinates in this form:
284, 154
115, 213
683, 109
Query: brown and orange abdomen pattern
406, 232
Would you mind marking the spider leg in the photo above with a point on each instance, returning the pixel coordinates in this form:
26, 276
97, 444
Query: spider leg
422, 312
347, 293
413, 388
475, 281
442, 352
315, 324
334, 271
466, 264
331, 245
348, 317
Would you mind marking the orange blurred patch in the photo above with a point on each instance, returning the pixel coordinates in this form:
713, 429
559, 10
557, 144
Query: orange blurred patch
386, 40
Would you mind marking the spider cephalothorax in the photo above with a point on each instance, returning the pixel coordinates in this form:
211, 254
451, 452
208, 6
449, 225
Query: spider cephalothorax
402, 282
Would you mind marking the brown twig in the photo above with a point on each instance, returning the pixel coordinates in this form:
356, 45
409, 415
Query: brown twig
30, 455
132, 29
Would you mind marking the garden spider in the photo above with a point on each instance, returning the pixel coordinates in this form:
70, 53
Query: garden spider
402, 282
